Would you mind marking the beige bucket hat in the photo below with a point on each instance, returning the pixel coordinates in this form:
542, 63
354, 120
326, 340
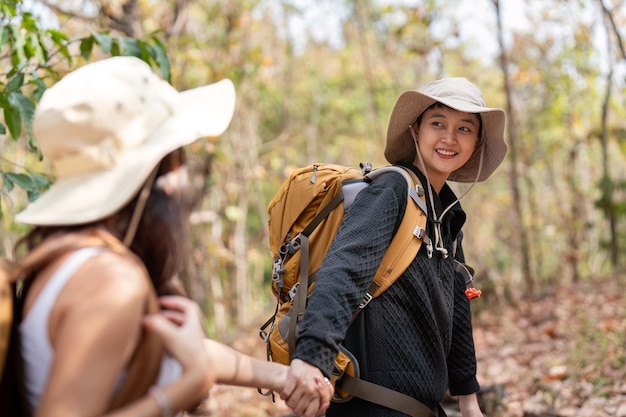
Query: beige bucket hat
104, 127
457, 93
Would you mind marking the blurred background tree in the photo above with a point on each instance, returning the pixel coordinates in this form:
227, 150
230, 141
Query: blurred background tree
316, 81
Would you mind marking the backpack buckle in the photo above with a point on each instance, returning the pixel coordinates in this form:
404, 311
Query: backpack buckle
294, 245
292, 292
278, 272
366, 300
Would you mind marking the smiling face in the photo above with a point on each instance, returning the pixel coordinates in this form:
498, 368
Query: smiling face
446, 139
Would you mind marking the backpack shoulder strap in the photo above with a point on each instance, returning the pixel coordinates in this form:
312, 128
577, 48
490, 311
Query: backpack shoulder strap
398, 256
145, 364
407, 240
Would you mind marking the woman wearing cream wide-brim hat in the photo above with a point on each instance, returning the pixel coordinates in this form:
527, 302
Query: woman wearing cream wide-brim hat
416, 337
109, 234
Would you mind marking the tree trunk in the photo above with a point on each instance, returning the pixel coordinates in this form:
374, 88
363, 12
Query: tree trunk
518, 219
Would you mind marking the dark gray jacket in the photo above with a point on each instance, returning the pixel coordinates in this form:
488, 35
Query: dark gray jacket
416, 337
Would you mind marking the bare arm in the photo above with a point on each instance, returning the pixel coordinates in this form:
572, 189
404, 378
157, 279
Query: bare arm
94, 327
236, 368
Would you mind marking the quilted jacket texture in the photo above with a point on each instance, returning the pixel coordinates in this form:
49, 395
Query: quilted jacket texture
416, 337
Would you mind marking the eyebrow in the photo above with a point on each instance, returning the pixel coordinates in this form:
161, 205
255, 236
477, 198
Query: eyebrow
441, 115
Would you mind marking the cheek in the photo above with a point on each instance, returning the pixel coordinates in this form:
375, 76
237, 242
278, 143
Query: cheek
469, 148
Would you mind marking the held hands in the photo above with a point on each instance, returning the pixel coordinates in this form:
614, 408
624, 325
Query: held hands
307, 392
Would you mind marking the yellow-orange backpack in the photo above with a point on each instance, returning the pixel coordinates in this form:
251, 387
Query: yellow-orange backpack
304, 217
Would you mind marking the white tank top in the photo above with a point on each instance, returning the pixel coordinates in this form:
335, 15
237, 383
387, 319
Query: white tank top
37, 351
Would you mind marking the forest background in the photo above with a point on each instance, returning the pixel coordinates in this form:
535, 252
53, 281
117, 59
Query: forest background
316, 81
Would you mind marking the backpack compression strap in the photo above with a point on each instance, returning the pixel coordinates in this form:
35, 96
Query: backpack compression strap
384, 396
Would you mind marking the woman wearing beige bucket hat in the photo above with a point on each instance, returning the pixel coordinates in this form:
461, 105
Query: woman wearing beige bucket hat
109, 234
415, 338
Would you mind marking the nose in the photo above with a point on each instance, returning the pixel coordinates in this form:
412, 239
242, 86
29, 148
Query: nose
449, 135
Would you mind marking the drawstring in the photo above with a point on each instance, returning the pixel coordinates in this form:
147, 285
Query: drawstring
139, 208
437, 219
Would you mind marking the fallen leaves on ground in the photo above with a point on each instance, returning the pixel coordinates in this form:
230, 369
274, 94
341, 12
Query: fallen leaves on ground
562, 355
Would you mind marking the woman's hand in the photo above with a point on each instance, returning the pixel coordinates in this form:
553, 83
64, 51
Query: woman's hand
179, 326
469, 406
307, 392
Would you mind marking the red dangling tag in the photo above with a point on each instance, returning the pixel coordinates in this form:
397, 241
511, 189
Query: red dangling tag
472, 293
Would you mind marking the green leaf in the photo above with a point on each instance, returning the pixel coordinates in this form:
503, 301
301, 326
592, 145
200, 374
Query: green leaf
66, 54
8, 7
105, 42
29, 51
40, 51
86, 46
12, 119
40, 86
8, 184
32, 195
160, 56
23, 181
115, 49
17, 53
15, 83
3, 130
29, 22
41, 181
27, 110
20, 108
4, 36
59, 38
130, 47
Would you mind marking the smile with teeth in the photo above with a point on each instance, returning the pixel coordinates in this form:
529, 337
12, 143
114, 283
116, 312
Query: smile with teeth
445, 152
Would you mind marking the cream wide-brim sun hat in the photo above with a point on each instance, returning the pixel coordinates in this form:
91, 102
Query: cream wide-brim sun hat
459, 94
104, 127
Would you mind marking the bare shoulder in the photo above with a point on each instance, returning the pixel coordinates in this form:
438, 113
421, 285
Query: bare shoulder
116, 278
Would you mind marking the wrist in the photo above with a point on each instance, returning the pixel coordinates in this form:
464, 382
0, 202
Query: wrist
278, 376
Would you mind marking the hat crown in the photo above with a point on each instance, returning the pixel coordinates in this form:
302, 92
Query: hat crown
455, 88
90, 118
105, 127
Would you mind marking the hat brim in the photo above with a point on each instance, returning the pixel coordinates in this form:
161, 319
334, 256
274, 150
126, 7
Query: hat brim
200, 112
400, 147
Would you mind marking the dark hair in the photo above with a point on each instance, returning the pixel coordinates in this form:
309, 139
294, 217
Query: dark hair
161, 241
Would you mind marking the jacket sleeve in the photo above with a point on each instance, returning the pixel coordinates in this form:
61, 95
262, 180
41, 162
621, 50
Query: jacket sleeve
348, 268
462, 357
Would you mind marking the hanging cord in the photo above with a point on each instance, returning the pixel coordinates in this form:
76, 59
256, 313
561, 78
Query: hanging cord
142, 200
437, 219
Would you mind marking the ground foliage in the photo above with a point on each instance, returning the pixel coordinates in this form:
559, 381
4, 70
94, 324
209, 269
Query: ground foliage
562, 355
